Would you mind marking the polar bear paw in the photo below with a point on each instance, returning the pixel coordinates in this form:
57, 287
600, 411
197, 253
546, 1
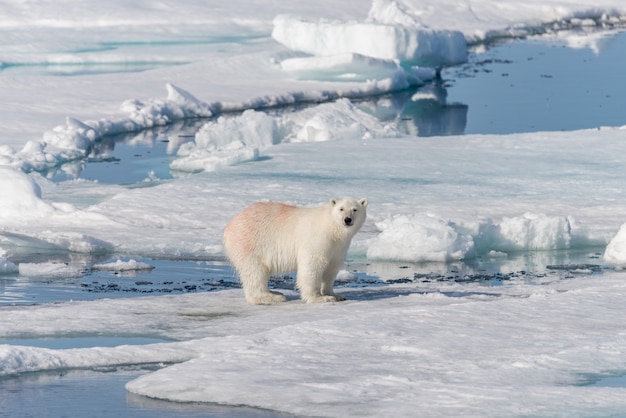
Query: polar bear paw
324, 298
269, 298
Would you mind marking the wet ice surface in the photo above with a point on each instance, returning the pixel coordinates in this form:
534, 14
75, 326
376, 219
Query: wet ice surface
192, 276
167, 277
523, 86
101, 393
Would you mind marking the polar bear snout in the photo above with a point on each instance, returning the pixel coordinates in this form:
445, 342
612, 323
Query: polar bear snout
348, 221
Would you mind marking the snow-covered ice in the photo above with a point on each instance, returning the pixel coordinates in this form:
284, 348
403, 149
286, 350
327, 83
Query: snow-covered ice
444, 350
408, 44
440, 348
616, 249
421, 191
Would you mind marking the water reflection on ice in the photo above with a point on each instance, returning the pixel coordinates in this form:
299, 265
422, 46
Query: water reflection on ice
420, 112
102, 393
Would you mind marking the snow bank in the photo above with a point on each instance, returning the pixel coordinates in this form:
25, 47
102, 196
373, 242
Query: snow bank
56, 239
179, 104
235, 139
347, 67
419, 238
227, 141
615, 252
427, 349
486, 20
18, 359
529, 232
20, 196
409, 45
75, 241
76, 139
340, 120
49, 270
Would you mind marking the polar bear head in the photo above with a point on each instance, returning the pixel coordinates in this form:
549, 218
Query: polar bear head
349, 212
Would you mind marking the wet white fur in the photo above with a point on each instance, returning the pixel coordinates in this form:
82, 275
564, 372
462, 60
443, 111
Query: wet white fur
275, 238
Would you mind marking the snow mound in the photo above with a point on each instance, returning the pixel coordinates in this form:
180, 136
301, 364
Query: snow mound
407, 44
227, 141
529, 232
615, 252
335, 121
179, 104
419, 238
20, 196
232, 140
122, 266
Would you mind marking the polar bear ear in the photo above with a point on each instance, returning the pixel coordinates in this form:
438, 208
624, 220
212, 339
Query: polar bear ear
333, 202
363, 202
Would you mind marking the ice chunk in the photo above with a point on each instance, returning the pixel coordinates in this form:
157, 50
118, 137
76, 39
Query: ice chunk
76, 139
20, 196
335, 121
419, 238
49, 270
529, 232
7, 267
418, 46
228, 141
180, 104
431, 238
345, 276
346, 67
615, 252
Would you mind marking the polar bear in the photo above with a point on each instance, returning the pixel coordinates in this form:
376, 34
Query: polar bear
274, 238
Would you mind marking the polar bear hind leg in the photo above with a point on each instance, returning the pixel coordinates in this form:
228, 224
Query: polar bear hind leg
254, 277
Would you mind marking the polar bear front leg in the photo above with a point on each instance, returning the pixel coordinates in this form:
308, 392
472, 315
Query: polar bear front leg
328, 281
309, 282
